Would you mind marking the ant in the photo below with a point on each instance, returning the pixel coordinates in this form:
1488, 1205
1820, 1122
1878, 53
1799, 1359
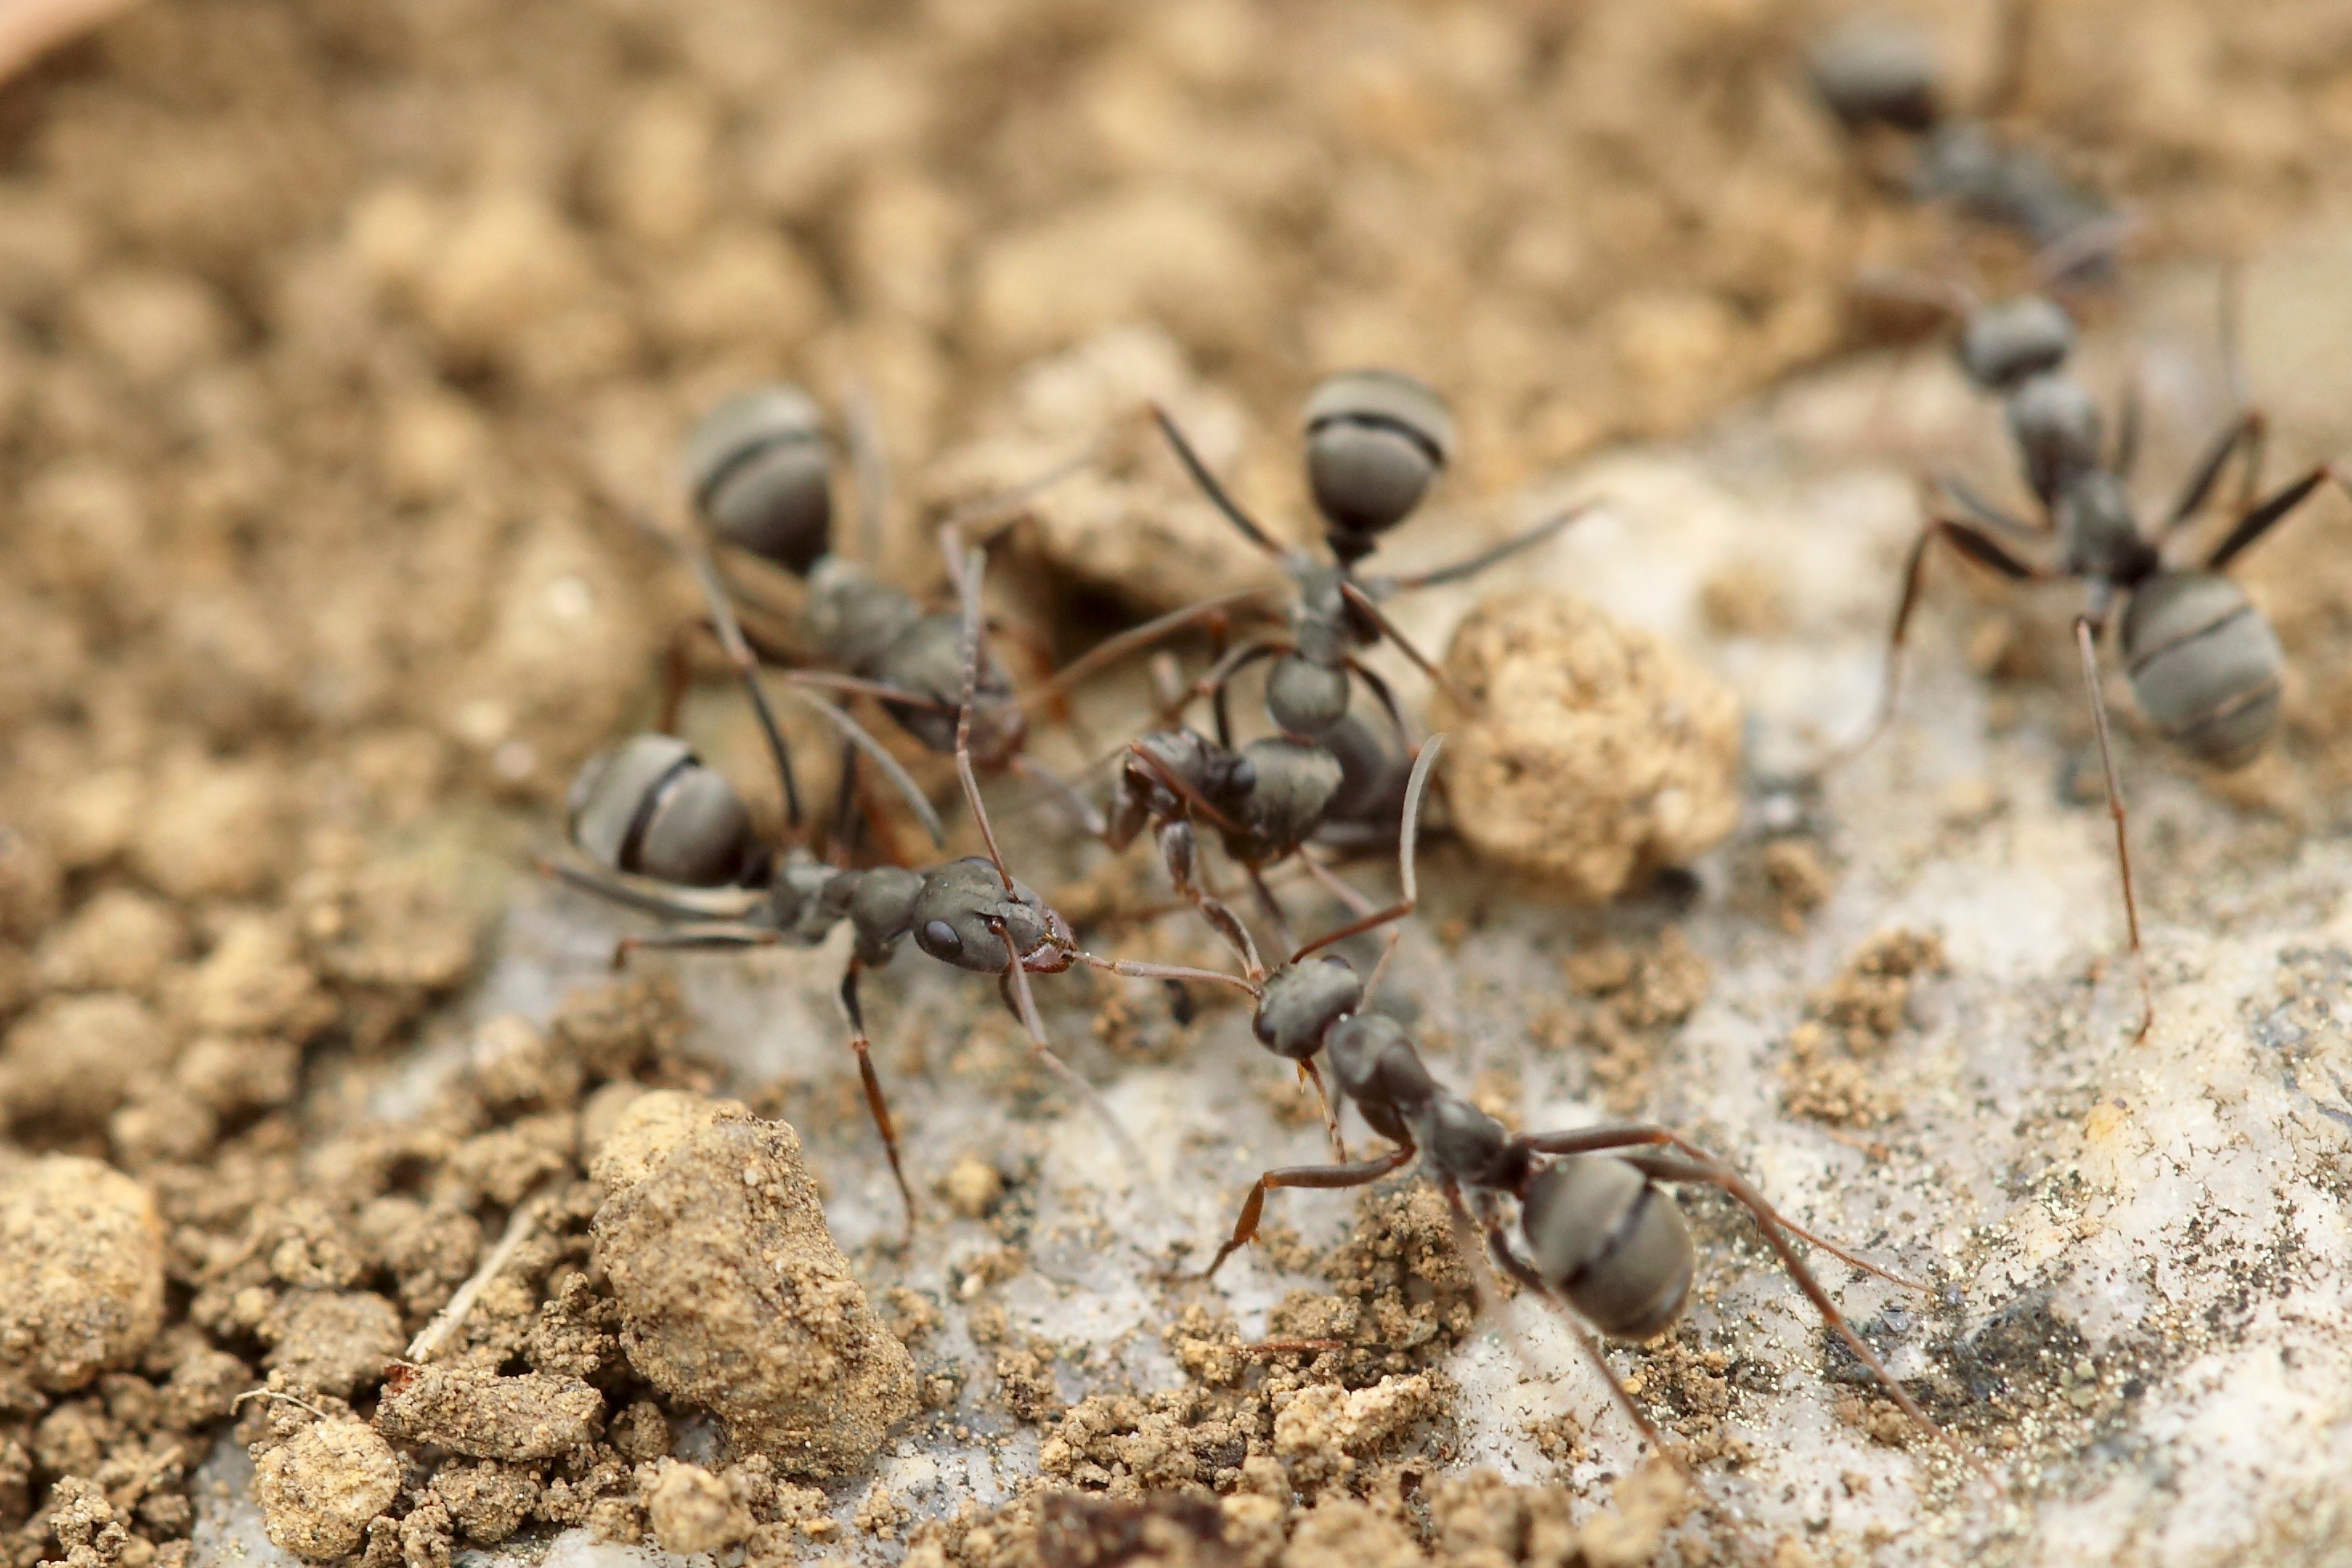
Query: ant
2204, 665
650, 810
1876, 75
1599, 1232
1375, 441
758, 473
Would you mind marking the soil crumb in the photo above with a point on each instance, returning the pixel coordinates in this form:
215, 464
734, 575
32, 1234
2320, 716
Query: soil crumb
1586, 753
1849, 1023
733, 1295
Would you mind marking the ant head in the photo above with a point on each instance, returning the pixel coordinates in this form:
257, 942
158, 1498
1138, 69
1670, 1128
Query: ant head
1873, 70
1306, 697
963, 916
1610, 1242
756, 467
1375, 440
648, 806
2002, 345
1302, 1000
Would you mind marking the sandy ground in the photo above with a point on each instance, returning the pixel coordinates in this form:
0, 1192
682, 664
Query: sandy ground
340, 341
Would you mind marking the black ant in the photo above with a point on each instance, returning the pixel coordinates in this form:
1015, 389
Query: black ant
1597, 1231
650, 810
1375, 441
2204, 665
758, 472
1879, 76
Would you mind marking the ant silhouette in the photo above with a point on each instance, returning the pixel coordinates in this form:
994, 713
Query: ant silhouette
662, 831
1597, 1233
2203, 663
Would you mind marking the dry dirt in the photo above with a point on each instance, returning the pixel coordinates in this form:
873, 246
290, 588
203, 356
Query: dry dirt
342, 343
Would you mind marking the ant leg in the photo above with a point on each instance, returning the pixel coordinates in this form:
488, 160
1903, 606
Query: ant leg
1706, 1167
841, 840
2127, 427
1181, 853
1363, 603
1016, 977
705, 935
2086, 635
1319, 1178
747, 666
1983, 509
1209, 487
2242, 434
1110, 650
1970, 543
1407, 835
863, 739
1270, 905
1672, 1168
677, 678
1220, 676
1470, 566
1082, 810
875, 1103
2261, 518
1179, 784
723, 904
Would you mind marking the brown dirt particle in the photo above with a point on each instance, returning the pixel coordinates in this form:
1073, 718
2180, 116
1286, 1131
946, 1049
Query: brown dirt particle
1586, 753
488, 1502
1851, 1020
691, 1512
319, 1490
483, 1416
332, 1341
972, 1187
70, 1062
734, 1298
81, 1270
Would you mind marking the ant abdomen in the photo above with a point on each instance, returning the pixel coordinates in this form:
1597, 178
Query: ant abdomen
649, 806
1611, 1241
1375, 440
2204, 665
756, 466
1870, 70
2002, 345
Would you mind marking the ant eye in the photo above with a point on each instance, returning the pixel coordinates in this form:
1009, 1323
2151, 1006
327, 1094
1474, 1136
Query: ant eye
942, 935
1244, 775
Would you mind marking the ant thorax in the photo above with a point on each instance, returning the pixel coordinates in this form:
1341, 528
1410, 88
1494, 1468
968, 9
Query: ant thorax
2103, 538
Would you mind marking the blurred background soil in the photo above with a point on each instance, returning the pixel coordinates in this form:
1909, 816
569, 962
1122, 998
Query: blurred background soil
342, 342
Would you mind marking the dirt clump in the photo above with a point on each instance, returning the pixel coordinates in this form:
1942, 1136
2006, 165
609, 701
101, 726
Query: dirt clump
1127, 521
1850, 1021
690, 1510
484, 1417
733, 1295
1634, 994
320, 1491
1587, 754
81, 1270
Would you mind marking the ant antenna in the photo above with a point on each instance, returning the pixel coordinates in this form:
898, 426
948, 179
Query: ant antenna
1216, 492
964, 568
859, 736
